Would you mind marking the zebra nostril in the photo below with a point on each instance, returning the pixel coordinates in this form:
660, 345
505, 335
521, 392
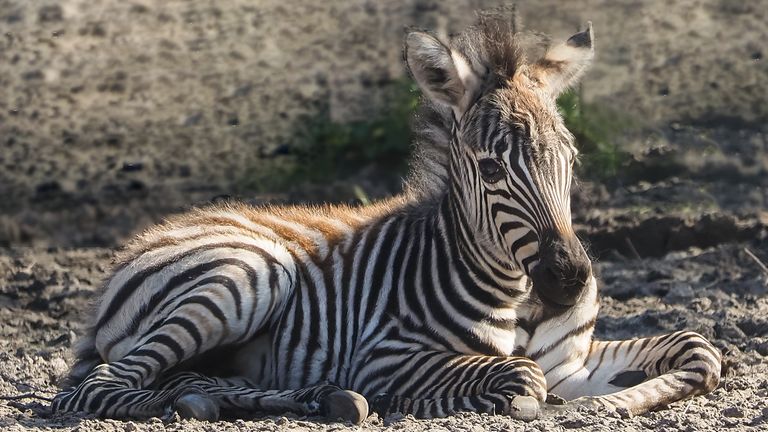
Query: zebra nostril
557, 285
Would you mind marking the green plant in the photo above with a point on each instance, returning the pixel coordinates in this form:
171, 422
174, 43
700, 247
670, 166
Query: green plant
323, 150
596, 129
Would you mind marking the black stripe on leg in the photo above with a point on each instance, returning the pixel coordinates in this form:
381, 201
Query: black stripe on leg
189, 327
170, 343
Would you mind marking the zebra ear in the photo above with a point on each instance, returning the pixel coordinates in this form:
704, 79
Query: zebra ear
563, 65
444, 76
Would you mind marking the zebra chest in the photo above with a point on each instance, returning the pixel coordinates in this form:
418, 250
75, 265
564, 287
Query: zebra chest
500, 340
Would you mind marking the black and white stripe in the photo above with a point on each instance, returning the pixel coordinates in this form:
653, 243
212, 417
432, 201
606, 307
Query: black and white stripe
428, 303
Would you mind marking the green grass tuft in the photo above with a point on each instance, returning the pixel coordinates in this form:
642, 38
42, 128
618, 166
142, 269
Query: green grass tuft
323, 151
596, 130
327, 151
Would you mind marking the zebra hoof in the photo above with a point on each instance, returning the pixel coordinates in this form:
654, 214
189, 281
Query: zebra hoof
345, 405
525, 408
197, 406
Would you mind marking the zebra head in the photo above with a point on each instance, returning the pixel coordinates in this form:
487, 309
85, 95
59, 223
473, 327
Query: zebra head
511, 156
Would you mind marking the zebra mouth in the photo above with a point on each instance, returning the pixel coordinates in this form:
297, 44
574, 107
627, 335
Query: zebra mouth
553, 290
552, 304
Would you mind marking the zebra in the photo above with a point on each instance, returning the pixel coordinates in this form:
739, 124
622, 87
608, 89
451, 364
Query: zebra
468, 291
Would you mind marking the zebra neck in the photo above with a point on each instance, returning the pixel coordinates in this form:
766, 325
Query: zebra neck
447, 294
459, 268
459, 246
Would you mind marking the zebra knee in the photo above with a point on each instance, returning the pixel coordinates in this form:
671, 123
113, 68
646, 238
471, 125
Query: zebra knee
524, 378
711, 379
703, 359
713, 367
535, 381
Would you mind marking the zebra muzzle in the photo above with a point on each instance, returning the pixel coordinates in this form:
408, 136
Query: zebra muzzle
561, 275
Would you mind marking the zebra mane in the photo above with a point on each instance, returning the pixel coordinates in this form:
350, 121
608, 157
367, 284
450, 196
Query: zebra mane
493, 45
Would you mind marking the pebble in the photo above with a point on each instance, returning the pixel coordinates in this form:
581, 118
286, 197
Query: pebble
622, 413
735, 412
58, 366
729, 331
680, 293
762, 348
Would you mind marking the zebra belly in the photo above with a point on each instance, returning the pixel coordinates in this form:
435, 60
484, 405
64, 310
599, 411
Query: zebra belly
253, 360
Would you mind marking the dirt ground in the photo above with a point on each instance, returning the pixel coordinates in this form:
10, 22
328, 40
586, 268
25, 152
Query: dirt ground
719, 292
108, 110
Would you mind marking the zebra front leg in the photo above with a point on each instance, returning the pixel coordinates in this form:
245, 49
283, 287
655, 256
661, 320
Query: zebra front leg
438, 384
238, 397
635, 376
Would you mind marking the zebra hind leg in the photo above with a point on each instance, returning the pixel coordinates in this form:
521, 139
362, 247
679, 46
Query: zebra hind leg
636, 376
111, 390
238, 398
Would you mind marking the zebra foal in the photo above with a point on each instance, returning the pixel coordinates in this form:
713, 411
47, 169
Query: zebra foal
469, 291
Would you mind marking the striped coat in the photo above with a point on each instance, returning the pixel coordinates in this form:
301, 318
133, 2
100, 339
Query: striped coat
469, 291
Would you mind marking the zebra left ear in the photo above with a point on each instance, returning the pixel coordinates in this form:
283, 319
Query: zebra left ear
563, 65
443, 75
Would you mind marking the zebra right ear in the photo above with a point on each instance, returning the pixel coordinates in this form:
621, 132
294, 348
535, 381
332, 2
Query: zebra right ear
444, 76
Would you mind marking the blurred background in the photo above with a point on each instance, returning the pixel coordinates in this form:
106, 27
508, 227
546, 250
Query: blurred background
116, 113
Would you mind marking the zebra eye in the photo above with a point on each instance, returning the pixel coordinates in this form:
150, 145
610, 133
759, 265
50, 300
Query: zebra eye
490, 169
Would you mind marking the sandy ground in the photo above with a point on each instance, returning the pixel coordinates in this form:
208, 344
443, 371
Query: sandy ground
109, 111
719, 292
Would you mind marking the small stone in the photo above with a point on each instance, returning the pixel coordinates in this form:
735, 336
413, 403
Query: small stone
50, 13
130, 427
729, 331
21, 276
63, 339
735, 412
132, 166
58, 367
374, 419
393, 418
762, 348
680, 293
